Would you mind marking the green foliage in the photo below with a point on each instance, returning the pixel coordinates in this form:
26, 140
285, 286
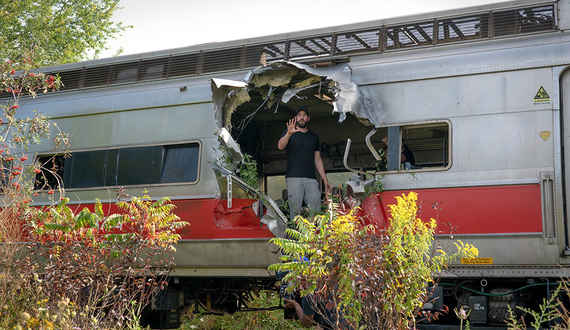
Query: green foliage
374, 277
80, 269
245, 170
141, 221
263, 320
148, 221
52, 32
106, 266
375, 187
549, 310
462, 315
552, 312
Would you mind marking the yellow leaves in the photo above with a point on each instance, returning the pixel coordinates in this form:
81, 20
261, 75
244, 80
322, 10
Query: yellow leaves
345, 223
466, 250
406, 206
404, 217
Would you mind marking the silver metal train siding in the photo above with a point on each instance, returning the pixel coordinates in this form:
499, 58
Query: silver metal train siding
478, 94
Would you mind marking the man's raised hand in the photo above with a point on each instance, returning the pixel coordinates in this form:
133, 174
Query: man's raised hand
292, 126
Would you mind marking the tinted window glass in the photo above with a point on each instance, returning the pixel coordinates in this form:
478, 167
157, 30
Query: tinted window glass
111, 168
87, 169
429, 144
139, 165
181, 164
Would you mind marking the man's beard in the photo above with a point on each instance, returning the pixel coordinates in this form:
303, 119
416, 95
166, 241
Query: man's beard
302, 125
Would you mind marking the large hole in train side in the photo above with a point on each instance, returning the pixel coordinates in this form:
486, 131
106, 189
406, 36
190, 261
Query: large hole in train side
257, 126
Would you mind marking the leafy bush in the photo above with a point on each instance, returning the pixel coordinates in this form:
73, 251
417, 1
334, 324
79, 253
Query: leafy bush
552, 312
108, 267
86, 269
366, 276
269, 319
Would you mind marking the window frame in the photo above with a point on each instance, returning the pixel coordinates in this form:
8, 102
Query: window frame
424, 124
67, 174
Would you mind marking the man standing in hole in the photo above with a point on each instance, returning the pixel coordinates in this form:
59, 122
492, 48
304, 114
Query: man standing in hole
303, 157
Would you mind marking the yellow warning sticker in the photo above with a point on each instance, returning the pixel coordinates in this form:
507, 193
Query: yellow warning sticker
541, 96
544, 135
476, 261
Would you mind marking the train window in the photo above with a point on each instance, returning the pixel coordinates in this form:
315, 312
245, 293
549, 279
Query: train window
423, 146
125, 166
51, 174
181, 163
92, 160
139, 165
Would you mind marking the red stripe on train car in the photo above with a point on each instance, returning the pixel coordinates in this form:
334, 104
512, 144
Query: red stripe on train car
211, 219
470, 210
477, 210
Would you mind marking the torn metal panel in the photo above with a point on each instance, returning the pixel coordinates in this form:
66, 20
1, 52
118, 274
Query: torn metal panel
279, 82
274, 222
289, 93
227, 95
274, 219
230, 83
348, 96
226, 139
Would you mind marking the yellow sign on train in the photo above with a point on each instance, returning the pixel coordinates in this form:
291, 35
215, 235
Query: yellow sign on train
476, 261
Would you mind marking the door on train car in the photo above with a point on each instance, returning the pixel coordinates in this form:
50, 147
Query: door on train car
565, 120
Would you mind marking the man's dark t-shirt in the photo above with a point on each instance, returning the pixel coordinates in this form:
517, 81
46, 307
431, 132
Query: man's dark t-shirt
301, 154
409, 156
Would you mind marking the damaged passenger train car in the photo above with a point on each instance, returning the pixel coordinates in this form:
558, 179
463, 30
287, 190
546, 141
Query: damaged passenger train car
477, 94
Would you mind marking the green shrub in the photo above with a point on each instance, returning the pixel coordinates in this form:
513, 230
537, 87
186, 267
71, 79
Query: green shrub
95, 270
270, 319
374, 278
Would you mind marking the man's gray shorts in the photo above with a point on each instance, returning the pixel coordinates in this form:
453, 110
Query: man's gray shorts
303, 189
